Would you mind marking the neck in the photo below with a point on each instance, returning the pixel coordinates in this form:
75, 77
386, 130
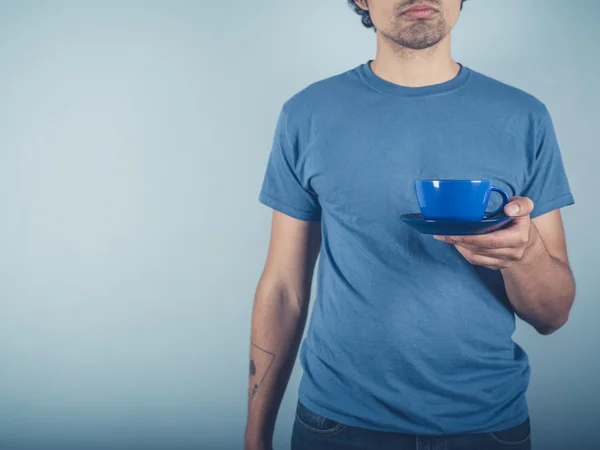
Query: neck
414, 68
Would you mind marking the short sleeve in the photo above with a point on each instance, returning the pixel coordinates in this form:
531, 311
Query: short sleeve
548, 185
283, 188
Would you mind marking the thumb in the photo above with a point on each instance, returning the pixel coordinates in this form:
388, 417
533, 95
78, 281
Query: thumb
519, 207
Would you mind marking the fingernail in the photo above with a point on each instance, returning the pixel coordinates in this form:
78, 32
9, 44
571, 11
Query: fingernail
512, 209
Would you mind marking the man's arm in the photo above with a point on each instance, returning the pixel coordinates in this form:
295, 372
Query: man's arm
278, 320
541, 286
532, 256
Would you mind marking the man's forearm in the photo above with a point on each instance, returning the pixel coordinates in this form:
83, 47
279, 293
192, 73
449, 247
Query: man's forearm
278, 320
540, 287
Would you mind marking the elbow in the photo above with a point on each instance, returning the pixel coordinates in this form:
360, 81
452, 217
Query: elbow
283, 295
559, 319
547, 329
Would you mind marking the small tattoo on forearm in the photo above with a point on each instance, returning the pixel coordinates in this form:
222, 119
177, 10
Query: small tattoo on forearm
260, 364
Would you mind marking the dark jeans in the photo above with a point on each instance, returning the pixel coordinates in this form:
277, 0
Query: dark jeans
315, 432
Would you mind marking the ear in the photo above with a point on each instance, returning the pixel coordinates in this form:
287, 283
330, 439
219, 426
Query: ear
362, 4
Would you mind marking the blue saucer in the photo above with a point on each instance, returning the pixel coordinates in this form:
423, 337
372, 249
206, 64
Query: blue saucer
455, 227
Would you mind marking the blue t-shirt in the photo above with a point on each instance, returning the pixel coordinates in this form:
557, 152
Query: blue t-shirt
405, 334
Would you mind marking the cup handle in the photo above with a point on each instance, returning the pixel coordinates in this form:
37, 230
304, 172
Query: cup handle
505, 200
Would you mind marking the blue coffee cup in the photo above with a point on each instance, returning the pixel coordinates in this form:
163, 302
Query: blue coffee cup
464, 200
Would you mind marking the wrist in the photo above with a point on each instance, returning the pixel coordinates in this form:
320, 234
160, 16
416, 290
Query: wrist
256, 445
256, 441
533, 253
535, 248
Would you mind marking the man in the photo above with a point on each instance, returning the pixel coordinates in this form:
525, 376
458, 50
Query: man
410, 340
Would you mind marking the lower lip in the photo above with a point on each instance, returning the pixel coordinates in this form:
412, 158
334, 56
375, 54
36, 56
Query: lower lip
419, 13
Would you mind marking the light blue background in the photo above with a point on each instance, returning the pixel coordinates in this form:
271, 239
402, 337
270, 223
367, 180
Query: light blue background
133, 141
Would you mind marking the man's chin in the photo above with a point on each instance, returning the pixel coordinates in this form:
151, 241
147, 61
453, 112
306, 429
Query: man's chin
415, 39
416, 44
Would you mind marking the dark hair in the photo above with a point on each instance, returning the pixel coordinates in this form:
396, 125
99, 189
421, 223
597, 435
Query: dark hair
366, 18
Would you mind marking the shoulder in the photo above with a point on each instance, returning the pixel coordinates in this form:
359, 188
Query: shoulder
507, 97
321, 96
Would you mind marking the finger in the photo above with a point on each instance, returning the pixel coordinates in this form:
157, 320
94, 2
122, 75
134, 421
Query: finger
481, 260
515, 234
507, 238
503, 254
519, 207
